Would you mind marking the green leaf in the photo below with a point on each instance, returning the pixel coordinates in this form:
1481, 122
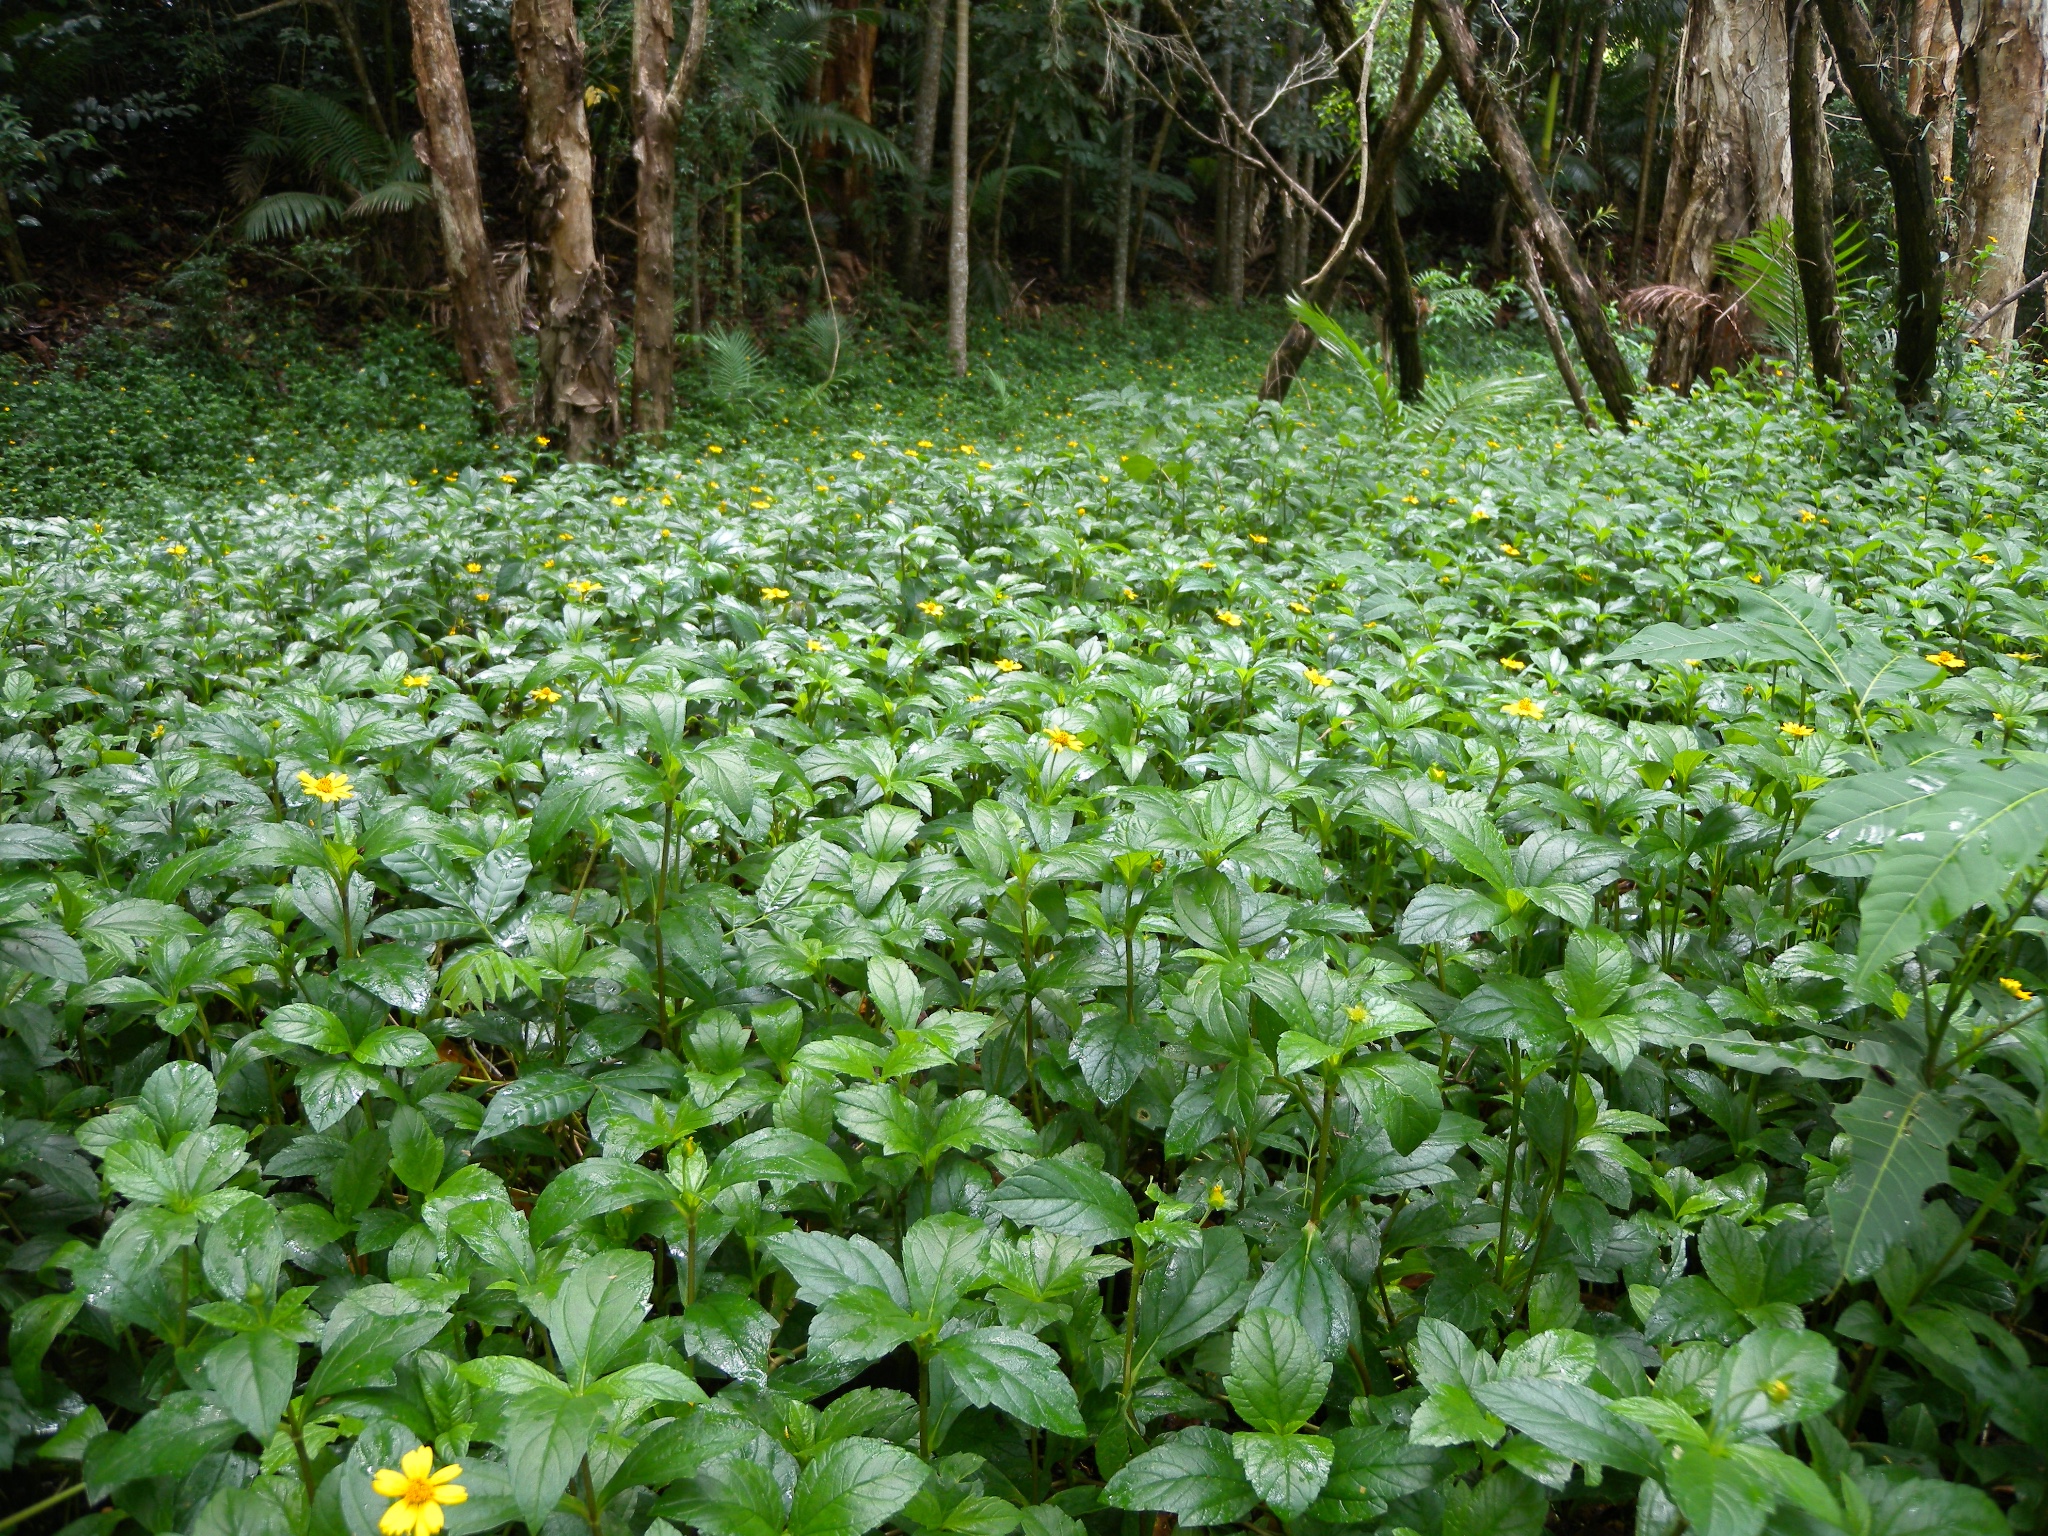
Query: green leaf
34, 1327
1008, 1369
1194, 1476
1449, 914
1069, 1198
1899, 1139
1774, 1377
545, 1439
251, 1376
859, 1324
1373, 1466
1925, 1506
1571, 1420
1287, 1471
824, 1265
787, 1156
362, 1349
594, 1187
1733, 1260
1305, 1285
731, 1334
598, 1310
1277, 1378
416, 1151
393, 973
43, 949
1193, 1293
171, 1439
852, 1486
539, 1097
943, 1258
898, 994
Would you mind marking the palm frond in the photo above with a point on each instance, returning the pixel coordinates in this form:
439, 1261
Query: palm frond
1339, 344
290, 214
824, 337
734, 369
809, 121
326, 137
1460, 405
394, 196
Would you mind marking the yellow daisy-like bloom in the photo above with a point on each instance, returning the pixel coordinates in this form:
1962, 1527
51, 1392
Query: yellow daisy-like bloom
417, 680
1985, 559
180, 550
547, 565
1130, 596
1207, 565
858, 455
2015, 989
1062, 741
483, 597
417, 1493
664, 534
472, 567
583, 588
1509, 549
1316, 679
1228, 619
1806, 516
1481, 515
757, 505
618, 501
774, 594
327, 789
1513, 663
1004, 664
544, 695
1947, 659
1219, 1197
1795, 730
509, 479
814, 645
1438, 774
542, 441
1258, 538
930, 609
714, 448
983, 464
1356, 1013
566, 538
1523, 709
2022, 656
1297, 607
924, 442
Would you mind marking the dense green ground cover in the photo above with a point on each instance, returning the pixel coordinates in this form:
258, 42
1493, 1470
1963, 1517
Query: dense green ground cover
1357, 969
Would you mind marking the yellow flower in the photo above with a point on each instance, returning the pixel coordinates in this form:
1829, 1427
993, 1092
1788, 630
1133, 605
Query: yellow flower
509, 479
417, 680
774, 594
757, 505
1795, 730
1258, 538
814, 645
714, 448
1297, 607
1219, 1198
1411, 501
1438, 774
1481, 515
1062, 741
931, 610
327, 789
544, 695
1355, 1013
983, 464
1523, 709
417, 1494
179, 549
858, 454
2022, 656
1314, 678
1228, 619
547, 565
542, 441
1130, 596
1805, 516
1513, 664
583, 588
566, 537
1777, 1389
1985, 559
664, 534
483, 597
1947, 659
1509, 549
2016, 989
472, 567
924, 442
1207, 565
1004, 664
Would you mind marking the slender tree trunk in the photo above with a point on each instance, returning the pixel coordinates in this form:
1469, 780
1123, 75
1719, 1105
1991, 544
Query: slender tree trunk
10, 243
931, 80
1299, 341
1570, 114
1066, 218
1652, 108
1531, 271
1159, 141
1813, 200
575, 391
1596, 73
2009, 72
657, 107
446, 146
1935, 59
1404, 322
956, 246
1226, 190
1503, 139
1120, 255
1898, 137
1731, 165
1243, 190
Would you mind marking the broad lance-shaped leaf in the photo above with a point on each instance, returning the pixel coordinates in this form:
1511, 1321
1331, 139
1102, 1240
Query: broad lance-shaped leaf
1899, 1138
1009, 1369
1069, 1198
852, 1486
1193, 1476
1962, 849
1851, 818
1571, 1420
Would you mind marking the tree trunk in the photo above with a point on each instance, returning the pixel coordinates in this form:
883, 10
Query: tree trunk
1227, 179
1503, 140
1243, 189
2009, 70
1596, 73
1934, 61
924, 146
1120, 255
1898, 137
1653, 105
1066, 218
1159, 141
1404, 324
657, 107
1531, 272
446, 146
1731, 165
1299, 341
575, 391
1813, 200
956, 245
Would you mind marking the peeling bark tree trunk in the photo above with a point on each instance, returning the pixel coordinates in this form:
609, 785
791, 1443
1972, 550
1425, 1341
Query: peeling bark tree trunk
2009, 71
657, 108
956, 245
1901, 145
1120, 254
1653, 105
924, 146
1935, 59
1731, 163
1244, 188
1813, 199
1404, 324
576, 391
1503, 139
447, 148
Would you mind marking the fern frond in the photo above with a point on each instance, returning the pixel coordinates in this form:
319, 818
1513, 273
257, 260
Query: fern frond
289, 214
808, 121
1459, 406
1339, 344
391, 197
325, 136
734, 369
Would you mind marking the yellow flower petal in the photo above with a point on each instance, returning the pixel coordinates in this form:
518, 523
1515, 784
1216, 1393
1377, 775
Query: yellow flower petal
389, 1484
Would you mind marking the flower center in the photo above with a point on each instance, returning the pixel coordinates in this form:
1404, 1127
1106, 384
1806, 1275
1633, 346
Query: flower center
418, 1491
